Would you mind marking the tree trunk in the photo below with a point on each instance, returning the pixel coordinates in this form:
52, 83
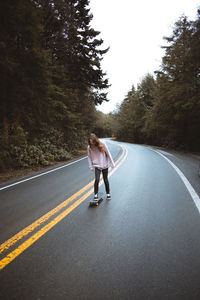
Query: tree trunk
4, 117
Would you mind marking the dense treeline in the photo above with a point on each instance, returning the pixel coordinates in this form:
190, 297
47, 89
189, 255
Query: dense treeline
165, 108
50, 80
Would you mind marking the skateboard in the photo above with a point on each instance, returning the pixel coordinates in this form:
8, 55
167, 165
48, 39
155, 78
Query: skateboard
95, 202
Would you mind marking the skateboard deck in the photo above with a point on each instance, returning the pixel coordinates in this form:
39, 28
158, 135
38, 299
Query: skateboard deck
95, 202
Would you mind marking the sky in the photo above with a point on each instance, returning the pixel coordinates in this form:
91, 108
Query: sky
134, 31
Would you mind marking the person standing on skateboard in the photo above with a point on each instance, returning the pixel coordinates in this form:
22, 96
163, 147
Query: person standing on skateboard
99, 159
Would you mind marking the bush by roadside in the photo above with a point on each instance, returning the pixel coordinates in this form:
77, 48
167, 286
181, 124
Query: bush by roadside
15, 173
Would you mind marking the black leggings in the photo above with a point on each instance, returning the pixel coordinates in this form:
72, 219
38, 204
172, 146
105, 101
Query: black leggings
105, 178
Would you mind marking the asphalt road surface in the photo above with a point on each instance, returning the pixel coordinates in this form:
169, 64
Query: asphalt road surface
143, 244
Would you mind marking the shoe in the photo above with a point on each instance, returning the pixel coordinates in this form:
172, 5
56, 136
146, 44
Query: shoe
96, 198
108, 197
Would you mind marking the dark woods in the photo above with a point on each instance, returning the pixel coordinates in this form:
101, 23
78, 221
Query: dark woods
50, 80
165, 109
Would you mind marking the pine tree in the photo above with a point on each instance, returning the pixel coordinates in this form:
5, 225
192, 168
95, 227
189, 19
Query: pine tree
179, 67
51, 79
24, 65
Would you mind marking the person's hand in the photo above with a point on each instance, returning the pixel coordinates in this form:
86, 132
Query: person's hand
92, 169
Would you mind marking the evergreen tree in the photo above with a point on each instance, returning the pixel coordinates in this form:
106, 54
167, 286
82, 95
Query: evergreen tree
133, 111
176, 96
51, 79
146, 91
24, 65
165, 111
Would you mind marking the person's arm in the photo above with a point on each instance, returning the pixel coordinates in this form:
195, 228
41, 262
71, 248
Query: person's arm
89, 159
112, 164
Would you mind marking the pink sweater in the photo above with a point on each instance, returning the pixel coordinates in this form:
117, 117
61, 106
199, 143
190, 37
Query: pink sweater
99, 159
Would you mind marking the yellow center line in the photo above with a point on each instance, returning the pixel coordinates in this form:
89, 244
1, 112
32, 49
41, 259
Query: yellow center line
7, 244
41, 220
12, 255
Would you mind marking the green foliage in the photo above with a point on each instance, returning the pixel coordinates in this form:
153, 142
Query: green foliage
20, 151
103, 125
131, 117
51, 80
165, 110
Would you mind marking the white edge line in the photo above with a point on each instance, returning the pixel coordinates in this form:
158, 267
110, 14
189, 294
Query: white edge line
188, 185
50, 171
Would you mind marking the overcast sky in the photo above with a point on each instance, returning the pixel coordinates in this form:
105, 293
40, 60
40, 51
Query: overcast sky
134, 30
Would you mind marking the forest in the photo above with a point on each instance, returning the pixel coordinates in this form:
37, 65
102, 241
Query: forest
164, 109
51, 80
52, 83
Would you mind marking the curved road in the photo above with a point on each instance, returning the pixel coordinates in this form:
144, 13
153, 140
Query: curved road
143, 244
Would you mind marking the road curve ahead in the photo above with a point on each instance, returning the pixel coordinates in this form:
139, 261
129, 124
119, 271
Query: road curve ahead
142, 244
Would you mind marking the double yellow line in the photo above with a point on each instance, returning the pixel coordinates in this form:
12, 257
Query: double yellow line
29, 229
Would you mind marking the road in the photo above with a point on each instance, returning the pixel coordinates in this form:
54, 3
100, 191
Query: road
142, 244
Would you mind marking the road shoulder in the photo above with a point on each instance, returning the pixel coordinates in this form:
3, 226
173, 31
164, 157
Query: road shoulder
188, 163
12, 175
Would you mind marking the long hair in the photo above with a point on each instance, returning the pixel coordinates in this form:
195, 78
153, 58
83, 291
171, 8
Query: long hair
96, 142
